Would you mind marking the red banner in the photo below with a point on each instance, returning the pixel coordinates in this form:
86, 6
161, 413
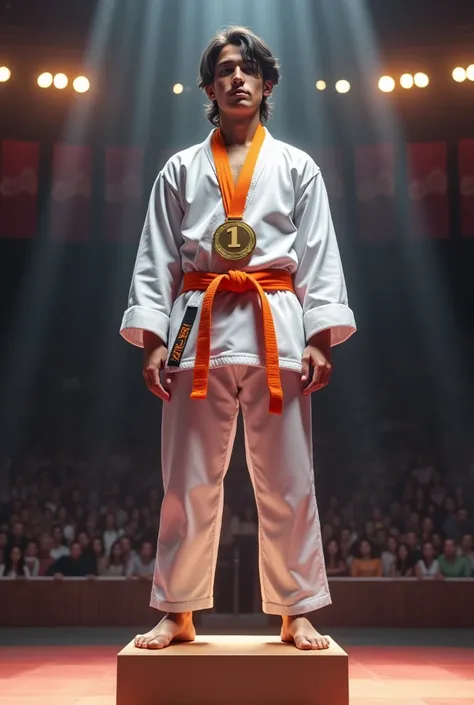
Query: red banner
375, 191
124, 213
19, 189
428, 188
71, 193
466, 186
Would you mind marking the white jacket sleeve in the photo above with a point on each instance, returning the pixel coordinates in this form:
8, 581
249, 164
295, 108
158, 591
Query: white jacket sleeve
319, 279
157, 275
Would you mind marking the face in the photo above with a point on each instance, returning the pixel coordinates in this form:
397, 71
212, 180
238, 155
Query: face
17, 530
437, 541
46, 544
57, 533
332, 548
15, 554
146, 551
449, 548
392, 544
428, 551
110, 521
427, 525
3, 539
125, 544
83, 539
365, 549
97, 545
411, 539
76, 551
31, 549
345, 535
117, 550
402, 552
236, 89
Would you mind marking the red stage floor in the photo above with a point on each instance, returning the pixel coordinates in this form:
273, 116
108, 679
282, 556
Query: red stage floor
81, 675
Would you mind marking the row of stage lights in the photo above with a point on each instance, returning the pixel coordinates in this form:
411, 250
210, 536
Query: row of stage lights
386, 84
81, 84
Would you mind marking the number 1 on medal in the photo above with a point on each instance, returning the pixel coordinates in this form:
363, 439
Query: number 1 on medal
234, 233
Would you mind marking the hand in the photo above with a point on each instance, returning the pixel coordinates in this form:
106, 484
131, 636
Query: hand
318, 354
154, 361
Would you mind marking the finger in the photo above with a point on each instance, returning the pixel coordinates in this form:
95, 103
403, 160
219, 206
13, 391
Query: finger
305, 368
313, 387
325, 374
154, 384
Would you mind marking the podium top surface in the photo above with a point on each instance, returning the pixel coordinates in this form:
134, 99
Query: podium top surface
233, 645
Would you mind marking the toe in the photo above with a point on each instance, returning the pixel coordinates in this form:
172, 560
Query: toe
301, 642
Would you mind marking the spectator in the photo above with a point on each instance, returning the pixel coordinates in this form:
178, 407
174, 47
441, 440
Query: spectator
437, 541
403, 567
101, 561
17, 537
14, 566
327, 533
31, 559
456, 526
411, 539
44, 554
143, 565
427, 566
59, 549
364, 565
116, 565
452, 565
427, 528
467, 549
68, 529
335, 563
111, 532
248, 525
127, 552
229, 528
73, 565
346, 542
389, 556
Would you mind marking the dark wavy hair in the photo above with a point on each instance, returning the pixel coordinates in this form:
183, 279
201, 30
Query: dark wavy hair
254, 52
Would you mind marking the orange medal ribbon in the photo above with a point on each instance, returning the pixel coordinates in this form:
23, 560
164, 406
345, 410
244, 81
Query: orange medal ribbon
235, 239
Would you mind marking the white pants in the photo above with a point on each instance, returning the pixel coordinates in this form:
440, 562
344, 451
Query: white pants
197, 440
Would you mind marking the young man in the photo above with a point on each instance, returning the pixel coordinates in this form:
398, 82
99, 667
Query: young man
238, 229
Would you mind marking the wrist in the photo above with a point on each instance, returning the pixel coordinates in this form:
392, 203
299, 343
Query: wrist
321, 340
151, 341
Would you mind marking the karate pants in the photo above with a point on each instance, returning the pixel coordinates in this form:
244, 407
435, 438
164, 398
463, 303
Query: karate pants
197, 440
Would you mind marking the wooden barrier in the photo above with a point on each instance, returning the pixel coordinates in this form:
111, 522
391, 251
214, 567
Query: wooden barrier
357, 602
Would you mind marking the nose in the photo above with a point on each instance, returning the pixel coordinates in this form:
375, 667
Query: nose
237, 77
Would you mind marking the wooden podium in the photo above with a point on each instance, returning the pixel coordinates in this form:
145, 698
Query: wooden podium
232, 670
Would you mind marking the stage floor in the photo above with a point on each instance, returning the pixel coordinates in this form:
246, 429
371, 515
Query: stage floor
387, 667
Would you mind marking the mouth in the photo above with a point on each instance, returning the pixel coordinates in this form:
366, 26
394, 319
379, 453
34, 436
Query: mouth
239, 93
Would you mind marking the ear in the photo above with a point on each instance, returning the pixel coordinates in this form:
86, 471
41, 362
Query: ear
267, 89
210, 92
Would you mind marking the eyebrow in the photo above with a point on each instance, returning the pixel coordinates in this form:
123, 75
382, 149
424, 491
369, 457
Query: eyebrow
230, 62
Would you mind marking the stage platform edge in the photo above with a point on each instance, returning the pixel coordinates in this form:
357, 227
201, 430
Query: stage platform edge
232, 670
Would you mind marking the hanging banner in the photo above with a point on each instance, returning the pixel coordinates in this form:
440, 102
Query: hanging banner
427, 182
71, 193
124, 210
375, 192
466, 186
19, 168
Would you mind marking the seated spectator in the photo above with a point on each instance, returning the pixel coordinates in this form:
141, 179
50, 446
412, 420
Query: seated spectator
111, 532
31, 559
456, 526
59, 548
14, 566
403, 567
427, 529
427, 566
3, 544
44, 554
327, 533
411, 539
127, 551
75, 565
229, 528
335, 563
68, 529
364, 565
450, 564
437, 541
467, 549
116, 565
346, 541
143, 565
248, 524
17, 536
97, 550
389, 556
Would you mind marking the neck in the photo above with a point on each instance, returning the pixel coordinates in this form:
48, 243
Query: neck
239, 132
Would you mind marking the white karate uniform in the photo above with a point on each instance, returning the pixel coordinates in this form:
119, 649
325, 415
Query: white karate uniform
287, 207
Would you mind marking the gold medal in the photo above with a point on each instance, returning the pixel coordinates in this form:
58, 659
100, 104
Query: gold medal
234, 240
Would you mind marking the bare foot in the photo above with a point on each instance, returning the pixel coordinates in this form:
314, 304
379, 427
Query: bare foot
300, 631
173, 627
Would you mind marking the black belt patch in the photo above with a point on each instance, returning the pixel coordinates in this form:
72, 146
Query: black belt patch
182, 337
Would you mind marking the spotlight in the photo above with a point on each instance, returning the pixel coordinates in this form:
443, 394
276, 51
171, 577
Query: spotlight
81, 84
343, 86
178, 88
459, 74
407, 81
61, 80
421, 80
5, 74
470, 72
321, 85
45, 80
387, 84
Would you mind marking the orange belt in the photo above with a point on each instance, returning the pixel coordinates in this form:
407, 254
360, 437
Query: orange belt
238, 281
